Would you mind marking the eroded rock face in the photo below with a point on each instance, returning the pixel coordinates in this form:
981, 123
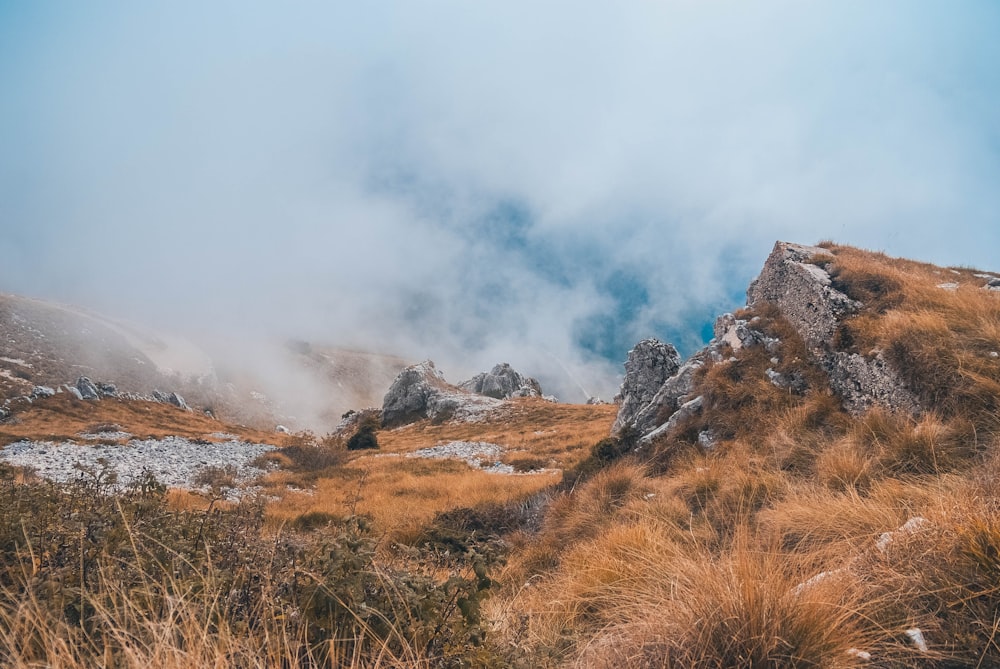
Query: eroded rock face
793, 281
648, 367
420, 391
803, 292
503, 382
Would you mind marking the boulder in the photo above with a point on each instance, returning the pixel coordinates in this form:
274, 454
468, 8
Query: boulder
502, 382
648, 367
170, 398
107, 389
87, 389
683, 412
42, 391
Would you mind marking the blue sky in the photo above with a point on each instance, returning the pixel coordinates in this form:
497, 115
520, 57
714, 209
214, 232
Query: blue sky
541, 183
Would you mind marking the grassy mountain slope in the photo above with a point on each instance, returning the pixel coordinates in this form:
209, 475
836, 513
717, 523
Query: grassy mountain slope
800, 535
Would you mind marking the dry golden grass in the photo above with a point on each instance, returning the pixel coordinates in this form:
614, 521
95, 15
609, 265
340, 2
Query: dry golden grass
939, 339
561, 433
64, 417
403, 494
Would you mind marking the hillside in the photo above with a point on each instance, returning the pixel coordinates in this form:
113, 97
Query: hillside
816, 487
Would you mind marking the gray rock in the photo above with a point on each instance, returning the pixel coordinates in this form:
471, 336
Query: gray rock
648, 367
707, 439
738, 333
685, 411
107, 389
792, 381
42, 391
671, 394
87, 389
802, 291
502, 382
72, 390
170, 398
420, 392
862, 382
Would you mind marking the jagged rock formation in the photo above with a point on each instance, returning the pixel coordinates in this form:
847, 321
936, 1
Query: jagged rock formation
650, 364
795, 279
658, 393
502, 382
420, 391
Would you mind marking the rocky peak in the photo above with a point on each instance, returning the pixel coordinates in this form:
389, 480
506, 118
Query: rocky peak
502, 382
420, 391
648, 367
802, 289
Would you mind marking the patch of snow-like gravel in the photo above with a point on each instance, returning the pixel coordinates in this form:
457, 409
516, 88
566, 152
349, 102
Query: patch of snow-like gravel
117, 435
479, 454
174, 461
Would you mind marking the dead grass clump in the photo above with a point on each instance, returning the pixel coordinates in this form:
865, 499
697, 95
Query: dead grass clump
883, 443
738, 611
945, 580
728, 489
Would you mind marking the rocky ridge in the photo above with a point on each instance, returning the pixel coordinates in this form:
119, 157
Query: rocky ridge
658, 390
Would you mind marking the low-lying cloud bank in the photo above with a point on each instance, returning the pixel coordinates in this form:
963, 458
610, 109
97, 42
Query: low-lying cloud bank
476, 182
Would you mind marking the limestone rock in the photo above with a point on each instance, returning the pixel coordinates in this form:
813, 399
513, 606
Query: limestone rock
739, 333
87, 389
170, 398
107, 389
803, 292
420, 391
685, 411
862, 382
42, 391
793, 281
502, 382
648, 367
671, 394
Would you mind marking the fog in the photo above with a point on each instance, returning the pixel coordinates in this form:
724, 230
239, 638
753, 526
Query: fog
482, 182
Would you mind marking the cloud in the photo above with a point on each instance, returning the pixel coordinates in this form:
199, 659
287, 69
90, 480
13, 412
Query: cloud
476, 182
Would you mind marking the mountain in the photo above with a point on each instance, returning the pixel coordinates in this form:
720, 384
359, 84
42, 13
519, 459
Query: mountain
819, 485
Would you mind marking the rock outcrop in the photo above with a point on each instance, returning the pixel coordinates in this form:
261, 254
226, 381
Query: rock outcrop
87, 389
650, 364
795, 280
659, 392
502, 382
420, 392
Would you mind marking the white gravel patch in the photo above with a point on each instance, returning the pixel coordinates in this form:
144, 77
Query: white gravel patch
174, 461
111, 437
479, 454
